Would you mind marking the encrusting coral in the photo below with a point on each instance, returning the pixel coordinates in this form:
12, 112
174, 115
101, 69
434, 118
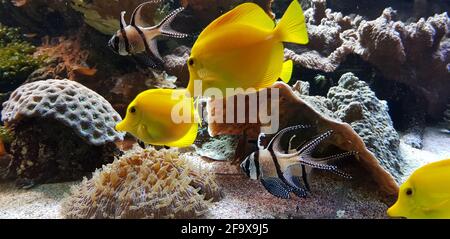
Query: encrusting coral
416, 54
363, 112
62, 130
144, 183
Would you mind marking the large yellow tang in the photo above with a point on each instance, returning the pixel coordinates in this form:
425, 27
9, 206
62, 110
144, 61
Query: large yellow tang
162, 117
244, 49
426, 193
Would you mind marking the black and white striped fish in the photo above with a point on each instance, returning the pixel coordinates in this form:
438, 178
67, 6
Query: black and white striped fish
283, 172
134, 39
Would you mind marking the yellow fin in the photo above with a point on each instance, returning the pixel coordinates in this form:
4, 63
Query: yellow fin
187, 139
286, 72
292, 26
246, 13
273, 68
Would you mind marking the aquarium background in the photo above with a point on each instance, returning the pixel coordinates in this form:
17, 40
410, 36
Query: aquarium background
380, 67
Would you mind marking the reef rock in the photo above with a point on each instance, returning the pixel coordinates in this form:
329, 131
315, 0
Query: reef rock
144, 183
62, 130
356, 104
415, 54
325, 114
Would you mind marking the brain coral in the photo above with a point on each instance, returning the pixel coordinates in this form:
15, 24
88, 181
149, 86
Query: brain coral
144, 183
68, 102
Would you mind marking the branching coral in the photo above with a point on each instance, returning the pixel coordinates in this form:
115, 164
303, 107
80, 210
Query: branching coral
144, 184
416, 54
16, 59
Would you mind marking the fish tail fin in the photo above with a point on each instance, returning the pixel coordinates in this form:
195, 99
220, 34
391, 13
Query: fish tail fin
165, 28
286, 72
292, 26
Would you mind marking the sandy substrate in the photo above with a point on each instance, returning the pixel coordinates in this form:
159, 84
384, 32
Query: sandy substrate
331, 196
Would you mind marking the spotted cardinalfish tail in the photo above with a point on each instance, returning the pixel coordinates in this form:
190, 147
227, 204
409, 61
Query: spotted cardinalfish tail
292, 26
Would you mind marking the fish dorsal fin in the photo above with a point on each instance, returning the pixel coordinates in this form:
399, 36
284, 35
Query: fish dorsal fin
286, 71
246, 13
136, 17
123, 24
165, 28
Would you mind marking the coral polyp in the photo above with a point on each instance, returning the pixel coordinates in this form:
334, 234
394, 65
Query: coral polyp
144, 183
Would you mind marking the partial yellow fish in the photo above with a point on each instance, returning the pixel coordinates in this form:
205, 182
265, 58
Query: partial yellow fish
244, 49
162, 117
426, 193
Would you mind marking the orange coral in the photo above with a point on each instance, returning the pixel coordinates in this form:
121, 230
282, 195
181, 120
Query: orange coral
68, 54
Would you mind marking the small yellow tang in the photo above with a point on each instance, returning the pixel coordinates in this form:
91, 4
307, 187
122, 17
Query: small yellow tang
162, 117
426, 193
243, 49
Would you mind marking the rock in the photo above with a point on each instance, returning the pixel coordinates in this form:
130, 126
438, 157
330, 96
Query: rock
375, 126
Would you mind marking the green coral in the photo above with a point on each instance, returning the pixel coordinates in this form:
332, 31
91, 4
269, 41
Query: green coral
16, 58
5, 135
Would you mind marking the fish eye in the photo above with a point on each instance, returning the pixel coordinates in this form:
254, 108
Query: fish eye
132, 109
191, 61
409, 191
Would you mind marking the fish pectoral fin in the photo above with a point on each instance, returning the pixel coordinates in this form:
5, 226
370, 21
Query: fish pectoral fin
188, 139
276, 187
247, 13
286, 71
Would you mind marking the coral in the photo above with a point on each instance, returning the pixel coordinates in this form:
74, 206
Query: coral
144, 183
103, 15
416, 54
59, 126
295, 109
65, 56
16, 59
74, 105
356, 104
5, 134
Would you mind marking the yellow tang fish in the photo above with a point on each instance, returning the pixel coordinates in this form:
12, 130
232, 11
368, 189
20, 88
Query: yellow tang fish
162, 117
244, 49
426, 193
